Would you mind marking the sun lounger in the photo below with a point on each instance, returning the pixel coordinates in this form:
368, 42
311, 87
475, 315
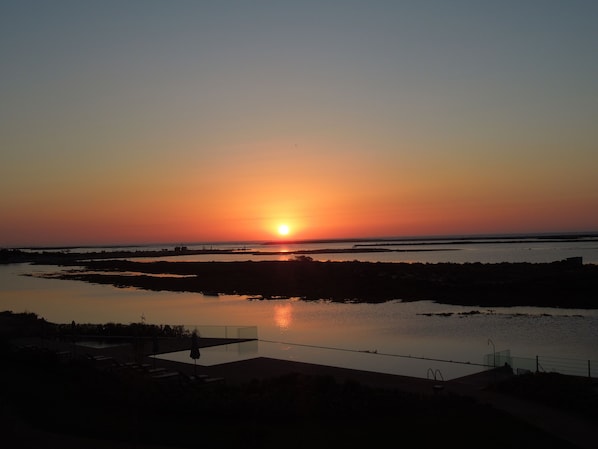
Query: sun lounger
169, 375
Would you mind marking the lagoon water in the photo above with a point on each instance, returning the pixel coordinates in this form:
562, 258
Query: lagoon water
395, 337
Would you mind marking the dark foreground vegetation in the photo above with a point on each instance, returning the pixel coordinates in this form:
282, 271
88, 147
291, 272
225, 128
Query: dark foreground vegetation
29, 324
74, 397
301, 411
559, 284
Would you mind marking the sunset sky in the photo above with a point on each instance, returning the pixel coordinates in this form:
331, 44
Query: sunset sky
191, 121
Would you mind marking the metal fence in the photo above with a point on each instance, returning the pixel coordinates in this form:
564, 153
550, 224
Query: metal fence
540, 363
249, 332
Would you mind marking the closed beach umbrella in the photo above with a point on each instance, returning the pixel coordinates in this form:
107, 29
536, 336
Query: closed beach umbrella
155, 347
194, 350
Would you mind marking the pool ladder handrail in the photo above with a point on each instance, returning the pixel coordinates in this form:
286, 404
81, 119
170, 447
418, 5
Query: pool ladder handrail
434, 374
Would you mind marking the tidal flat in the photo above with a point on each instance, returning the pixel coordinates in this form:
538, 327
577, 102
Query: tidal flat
563, 284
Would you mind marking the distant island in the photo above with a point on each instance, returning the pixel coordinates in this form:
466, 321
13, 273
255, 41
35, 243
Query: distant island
564, 284
58, 256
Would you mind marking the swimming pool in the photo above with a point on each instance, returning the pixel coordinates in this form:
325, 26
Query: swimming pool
396, 364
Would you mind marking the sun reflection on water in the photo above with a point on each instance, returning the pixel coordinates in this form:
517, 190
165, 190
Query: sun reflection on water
283, 316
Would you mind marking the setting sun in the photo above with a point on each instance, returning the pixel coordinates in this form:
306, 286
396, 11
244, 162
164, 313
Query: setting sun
283, 229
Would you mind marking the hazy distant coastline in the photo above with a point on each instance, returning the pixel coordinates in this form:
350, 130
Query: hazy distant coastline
68, 257
68, 254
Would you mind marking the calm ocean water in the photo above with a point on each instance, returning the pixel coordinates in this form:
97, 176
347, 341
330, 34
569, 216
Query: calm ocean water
378, 337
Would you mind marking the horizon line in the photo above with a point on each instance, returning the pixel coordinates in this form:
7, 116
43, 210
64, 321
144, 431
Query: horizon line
490, 236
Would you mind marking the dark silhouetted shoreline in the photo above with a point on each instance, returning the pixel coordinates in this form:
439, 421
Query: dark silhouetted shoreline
564, 284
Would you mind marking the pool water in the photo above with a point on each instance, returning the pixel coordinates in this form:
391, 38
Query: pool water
361, 360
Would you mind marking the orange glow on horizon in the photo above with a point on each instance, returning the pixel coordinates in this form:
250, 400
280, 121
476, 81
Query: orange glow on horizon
253, 203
